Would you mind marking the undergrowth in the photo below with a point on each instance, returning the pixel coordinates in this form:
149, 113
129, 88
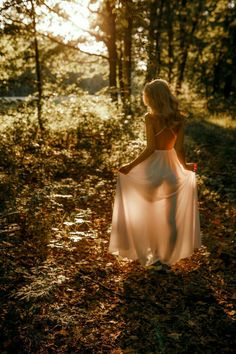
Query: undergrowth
60, 290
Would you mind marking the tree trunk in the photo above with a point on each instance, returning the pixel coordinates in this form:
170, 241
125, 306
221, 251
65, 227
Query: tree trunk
37, 69
151, 66
184, 58
112, 72
121, 75
158, 39
185, 42
170, 34
182, 45
154, 48
112, 49
128, 56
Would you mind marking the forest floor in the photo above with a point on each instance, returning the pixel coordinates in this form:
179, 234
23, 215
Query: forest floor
61, 292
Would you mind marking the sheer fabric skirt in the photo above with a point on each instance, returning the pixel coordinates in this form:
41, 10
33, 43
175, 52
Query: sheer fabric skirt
155, 214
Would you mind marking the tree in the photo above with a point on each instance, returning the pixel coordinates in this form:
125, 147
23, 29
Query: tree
37, 66
12, 13
106, 22
225, 64
170, 34
125, 30
186, 29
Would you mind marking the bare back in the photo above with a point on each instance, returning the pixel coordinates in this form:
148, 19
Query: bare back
165, 137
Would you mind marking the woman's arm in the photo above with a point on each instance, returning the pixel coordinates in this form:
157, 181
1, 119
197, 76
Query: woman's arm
179, 145
150, 147
179, 148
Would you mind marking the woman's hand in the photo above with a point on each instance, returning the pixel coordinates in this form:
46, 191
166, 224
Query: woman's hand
191, 166
125, 169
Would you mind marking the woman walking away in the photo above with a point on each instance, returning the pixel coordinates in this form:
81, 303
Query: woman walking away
155, 214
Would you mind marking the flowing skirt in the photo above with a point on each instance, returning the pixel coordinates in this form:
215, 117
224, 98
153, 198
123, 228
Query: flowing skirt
155, 214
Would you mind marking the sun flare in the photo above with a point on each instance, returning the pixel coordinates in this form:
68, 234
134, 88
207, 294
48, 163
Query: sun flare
75, 27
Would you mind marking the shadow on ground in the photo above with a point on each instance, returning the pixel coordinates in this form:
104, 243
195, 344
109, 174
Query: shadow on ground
93, 303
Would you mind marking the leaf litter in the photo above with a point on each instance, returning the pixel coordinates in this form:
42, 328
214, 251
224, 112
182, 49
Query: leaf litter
69, 295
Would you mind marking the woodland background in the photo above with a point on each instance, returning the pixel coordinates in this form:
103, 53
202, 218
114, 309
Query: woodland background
71, 113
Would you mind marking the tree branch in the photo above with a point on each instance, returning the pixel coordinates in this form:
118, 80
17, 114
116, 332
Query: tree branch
65, 17
93, 11
62, 15
59, 14
53, 39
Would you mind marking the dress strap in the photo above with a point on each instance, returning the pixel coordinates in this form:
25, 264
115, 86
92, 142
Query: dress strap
172, 131
160, 131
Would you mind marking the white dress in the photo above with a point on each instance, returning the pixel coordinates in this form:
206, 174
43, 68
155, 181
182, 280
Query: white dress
155, 214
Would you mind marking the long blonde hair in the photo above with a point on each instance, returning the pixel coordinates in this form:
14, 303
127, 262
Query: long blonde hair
161, 102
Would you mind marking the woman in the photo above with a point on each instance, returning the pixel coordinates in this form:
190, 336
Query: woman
155, 215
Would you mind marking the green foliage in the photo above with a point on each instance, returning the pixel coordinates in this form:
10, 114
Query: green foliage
87, 124
16, 75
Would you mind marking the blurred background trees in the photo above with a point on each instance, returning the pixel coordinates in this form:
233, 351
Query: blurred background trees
189, 43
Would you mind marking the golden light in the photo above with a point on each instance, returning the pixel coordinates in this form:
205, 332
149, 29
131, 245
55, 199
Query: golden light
74, 27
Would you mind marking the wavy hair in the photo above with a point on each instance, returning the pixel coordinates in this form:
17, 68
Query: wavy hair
161, 102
